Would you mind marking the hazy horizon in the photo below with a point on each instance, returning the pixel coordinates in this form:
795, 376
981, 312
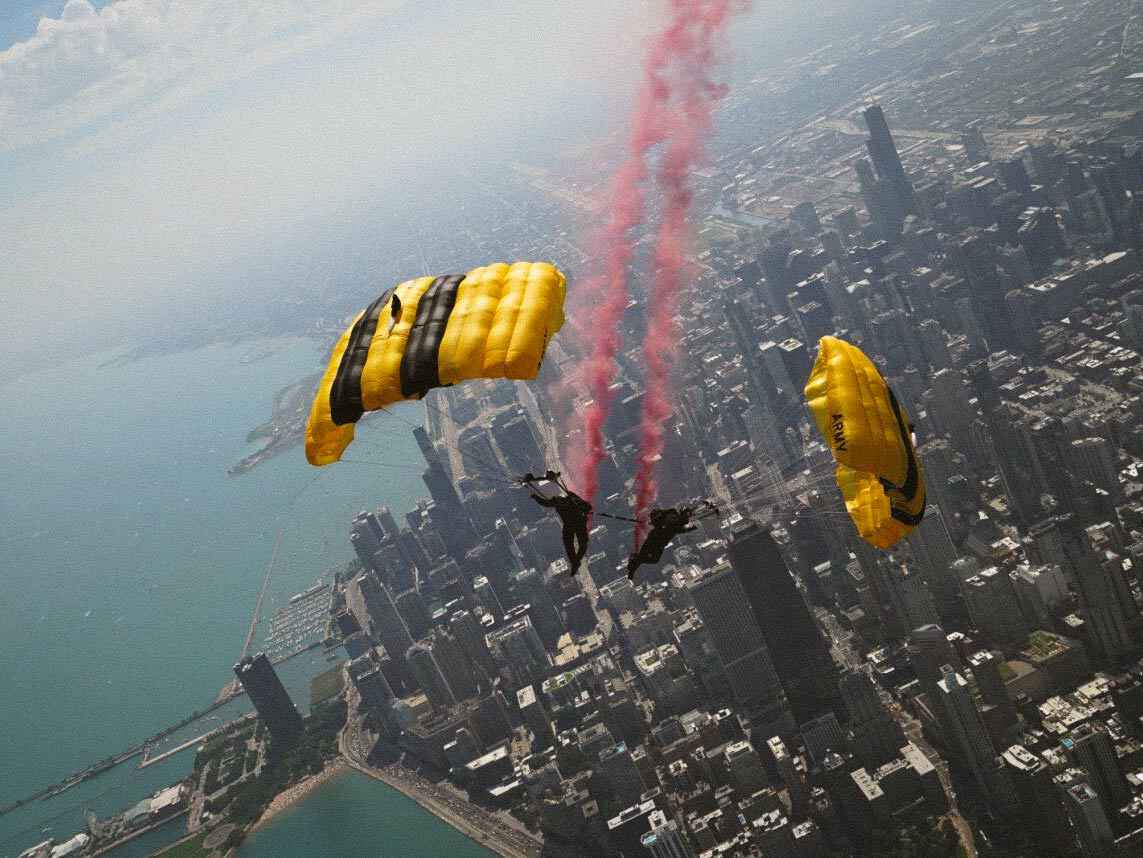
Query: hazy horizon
173, 163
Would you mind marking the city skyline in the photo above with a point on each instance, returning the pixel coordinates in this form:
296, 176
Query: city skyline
775, 685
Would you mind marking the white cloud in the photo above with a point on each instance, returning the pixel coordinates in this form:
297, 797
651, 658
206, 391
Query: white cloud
356, 102
143, 57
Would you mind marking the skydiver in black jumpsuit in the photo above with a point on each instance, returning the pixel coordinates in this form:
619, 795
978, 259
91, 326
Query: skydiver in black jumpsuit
574, 512
666, 524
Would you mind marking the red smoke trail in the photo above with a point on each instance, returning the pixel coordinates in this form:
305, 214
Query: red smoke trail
689, 126
602, 301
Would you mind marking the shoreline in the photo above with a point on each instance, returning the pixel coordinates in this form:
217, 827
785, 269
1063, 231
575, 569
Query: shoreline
291, 795
430, 803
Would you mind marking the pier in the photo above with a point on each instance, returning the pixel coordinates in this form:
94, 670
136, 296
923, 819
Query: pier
108, 763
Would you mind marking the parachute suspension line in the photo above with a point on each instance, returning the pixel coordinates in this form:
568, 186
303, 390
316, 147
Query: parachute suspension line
294, 497
495, 473
621, 517
381, 464
516, 460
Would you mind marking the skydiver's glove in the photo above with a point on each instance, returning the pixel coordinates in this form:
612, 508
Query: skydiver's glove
528, 478
552, 476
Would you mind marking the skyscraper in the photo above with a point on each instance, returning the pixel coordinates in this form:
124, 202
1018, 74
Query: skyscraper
797, 650
886, 161
993, 608
929, 650
464, 678
1089, 821
877, 737
971, 741
517, 442
429, 677
274, 706
530, 589
1107, 603
664, 839
459, 535
366, 535
1092, 749
722, 603
387, 624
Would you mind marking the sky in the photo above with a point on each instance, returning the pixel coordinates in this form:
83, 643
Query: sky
144, 142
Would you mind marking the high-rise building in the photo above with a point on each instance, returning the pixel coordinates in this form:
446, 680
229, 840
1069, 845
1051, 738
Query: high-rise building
797, 649
886, 160
388, 627
1032, 780
985, 667
517, 441
519, 648
529, 589
275, 708
970, 740
1108, 607
370, 683
934, 551
428, 675
1092, 749
822, 737
1089, 820
616, 765
1093, 460
664, 839
722, 604
795, 785
412, 609
877, 737
366, 535
464, 678
536, 718
469, 634
627, 829
929, 650
459, 535
912, 600
1038, 589
745, 767
486, 596
993, 608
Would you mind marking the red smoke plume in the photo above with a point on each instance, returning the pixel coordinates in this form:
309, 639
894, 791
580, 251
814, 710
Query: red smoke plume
603, 299
695, 98
673, 107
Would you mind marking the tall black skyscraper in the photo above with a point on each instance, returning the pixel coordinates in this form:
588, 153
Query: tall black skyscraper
459, 536
388, 625
800, 654
274, 706
886, 161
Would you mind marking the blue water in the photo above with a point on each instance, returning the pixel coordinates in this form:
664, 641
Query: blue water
129, 562
354, 815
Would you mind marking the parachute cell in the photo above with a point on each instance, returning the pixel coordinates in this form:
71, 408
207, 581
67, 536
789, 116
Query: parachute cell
871, 439
494, 322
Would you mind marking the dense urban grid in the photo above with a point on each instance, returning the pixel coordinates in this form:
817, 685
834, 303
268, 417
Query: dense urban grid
779, 688
960, 192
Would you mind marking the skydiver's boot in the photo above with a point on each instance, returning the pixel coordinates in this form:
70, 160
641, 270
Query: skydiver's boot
633, 563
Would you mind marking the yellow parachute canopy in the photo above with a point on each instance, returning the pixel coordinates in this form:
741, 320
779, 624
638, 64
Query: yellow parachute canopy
871, 439
494, 322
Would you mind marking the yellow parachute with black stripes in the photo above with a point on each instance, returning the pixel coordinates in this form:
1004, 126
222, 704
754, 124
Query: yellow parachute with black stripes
493, 322
871, 439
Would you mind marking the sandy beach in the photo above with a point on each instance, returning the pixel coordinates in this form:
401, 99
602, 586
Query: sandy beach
468, 819
298, 791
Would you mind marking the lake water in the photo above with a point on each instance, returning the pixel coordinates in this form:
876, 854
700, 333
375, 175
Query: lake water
130, 562
355, 816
